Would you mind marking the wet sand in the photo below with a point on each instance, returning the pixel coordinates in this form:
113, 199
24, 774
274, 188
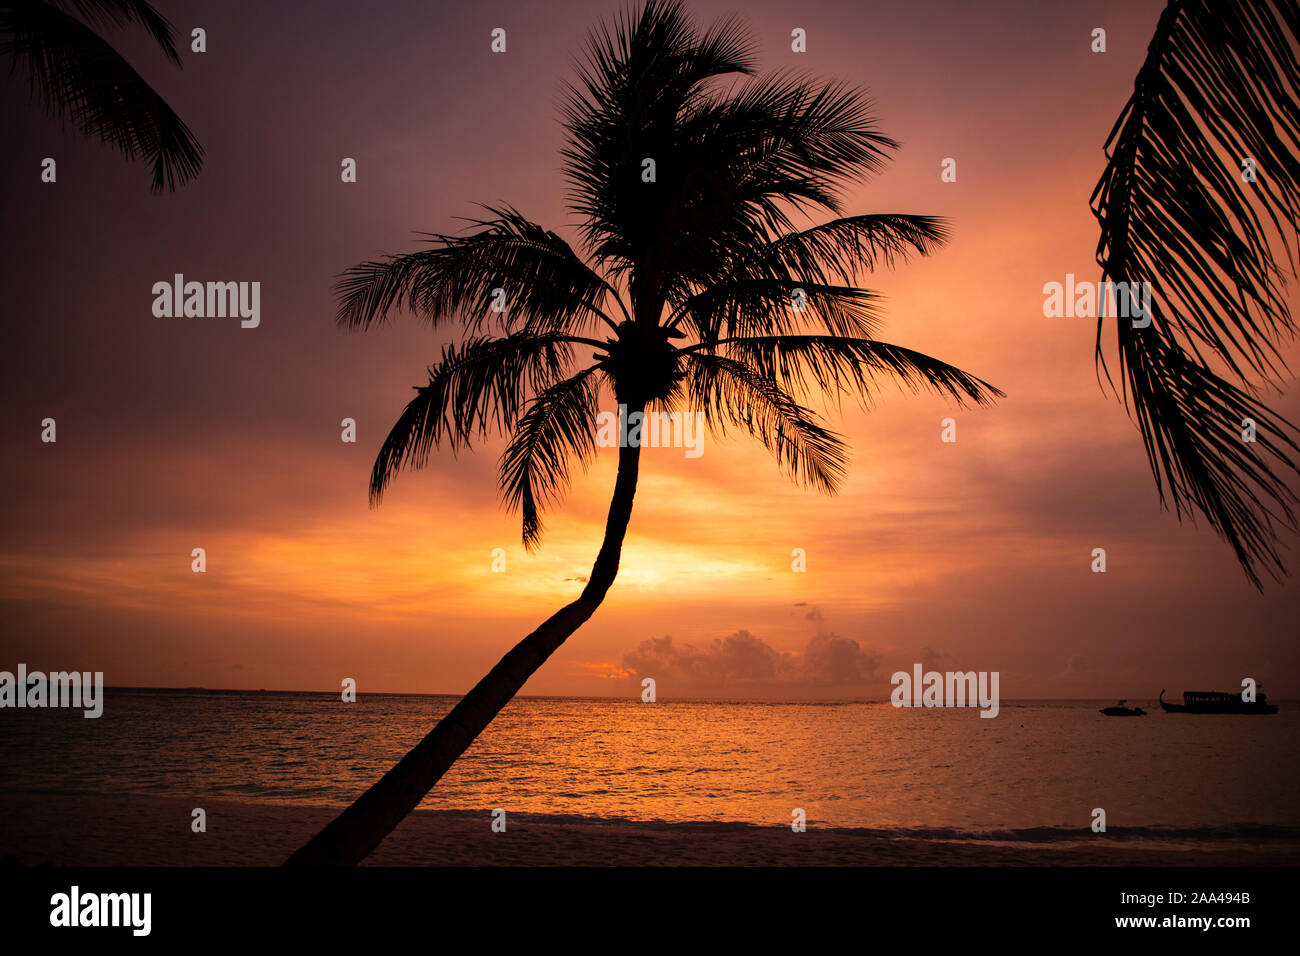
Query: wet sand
138, 830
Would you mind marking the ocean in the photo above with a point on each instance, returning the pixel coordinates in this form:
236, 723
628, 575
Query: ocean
1037, 771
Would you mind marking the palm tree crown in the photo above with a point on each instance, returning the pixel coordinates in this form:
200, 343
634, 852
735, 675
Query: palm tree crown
704, 292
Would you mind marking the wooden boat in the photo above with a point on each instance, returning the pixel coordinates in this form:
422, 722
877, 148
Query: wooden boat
1217, 702
1119, 710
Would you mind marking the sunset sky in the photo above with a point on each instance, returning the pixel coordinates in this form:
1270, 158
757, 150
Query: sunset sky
178, 433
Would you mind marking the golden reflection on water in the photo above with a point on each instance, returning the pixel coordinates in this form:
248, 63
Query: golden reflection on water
845, 764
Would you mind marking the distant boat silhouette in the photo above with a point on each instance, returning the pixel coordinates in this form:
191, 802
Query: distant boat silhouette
1119, 710
1217, 702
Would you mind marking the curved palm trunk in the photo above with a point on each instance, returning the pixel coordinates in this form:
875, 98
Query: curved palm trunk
363, 826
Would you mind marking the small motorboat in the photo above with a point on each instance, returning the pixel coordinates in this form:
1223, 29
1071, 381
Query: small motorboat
1119, 710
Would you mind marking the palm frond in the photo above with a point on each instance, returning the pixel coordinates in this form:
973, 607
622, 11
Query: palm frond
742, 307
77, 76
731, 393
843, 249
120, 13
839, 364
1219, 87
797, 140
477, 386
635, 81
546, 287
755, 295
730, 167
557, 426
1212, 468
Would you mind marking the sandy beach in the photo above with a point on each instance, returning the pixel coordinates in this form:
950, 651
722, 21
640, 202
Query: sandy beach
139, 830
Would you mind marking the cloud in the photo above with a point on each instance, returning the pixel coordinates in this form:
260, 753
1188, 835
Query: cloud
932, 660
743, 660
738, 657
830, 659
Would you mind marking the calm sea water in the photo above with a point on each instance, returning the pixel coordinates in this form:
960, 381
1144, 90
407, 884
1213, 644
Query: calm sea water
1037, 765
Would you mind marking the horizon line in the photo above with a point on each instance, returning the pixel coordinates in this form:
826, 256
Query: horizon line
389, 693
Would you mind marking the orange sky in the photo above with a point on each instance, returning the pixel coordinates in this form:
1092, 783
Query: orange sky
175, 434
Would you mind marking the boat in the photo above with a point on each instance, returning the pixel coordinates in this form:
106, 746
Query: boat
1217, 702
1119, 710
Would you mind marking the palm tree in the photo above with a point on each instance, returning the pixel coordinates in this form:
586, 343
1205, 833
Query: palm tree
706, 295
1203, 160
76, 75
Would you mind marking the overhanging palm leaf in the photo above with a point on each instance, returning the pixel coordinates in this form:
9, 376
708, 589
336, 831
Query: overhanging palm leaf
120, 13
76, 75
1220, 87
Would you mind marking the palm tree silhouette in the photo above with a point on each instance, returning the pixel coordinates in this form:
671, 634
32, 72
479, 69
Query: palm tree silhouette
1204, 157
710, 299
76, 75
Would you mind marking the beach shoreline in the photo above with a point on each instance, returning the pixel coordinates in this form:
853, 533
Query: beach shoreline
95, 830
